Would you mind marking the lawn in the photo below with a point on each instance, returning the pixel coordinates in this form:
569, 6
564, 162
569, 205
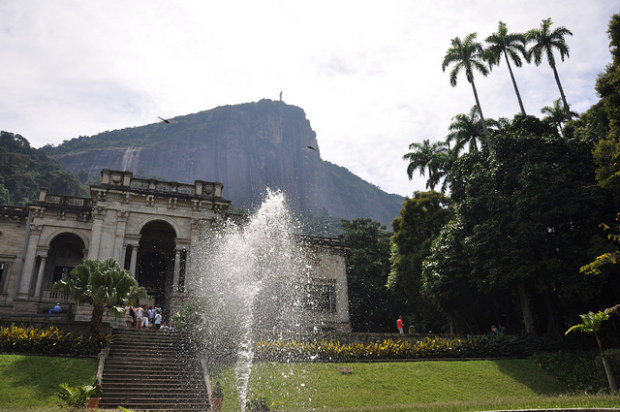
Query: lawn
404, 386
29, 382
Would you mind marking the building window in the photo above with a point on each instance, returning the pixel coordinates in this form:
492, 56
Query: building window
321, 297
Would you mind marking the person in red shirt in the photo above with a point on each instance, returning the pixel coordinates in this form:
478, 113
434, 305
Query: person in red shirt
399, 325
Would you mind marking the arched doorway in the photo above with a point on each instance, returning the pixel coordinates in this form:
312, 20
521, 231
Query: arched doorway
65, 252
155, 266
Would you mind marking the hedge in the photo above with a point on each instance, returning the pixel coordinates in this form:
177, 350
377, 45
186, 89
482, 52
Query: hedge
428, 348
51, 341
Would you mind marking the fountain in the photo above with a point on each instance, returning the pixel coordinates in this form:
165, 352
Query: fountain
252, 281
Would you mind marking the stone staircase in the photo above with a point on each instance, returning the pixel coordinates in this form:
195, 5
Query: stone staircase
148, 370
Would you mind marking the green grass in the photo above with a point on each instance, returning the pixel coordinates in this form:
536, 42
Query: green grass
404, 386
29, 382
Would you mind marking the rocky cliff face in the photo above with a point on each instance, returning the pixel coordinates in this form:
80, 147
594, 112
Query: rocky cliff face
247, 147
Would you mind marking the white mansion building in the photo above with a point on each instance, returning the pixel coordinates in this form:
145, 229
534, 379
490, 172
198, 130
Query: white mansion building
146, 225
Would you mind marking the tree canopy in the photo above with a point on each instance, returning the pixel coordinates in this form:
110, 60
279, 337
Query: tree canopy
23, 170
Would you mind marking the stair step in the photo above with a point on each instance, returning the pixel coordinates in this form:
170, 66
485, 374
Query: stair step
145, 370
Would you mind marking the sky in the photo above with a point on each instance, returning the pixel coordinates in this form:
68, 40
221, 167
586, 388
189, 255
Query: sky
367, 73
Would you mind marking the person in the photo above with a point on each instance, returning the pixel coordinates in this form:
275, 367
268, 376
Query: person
128, 316
55, 309
400, 326
494, 330
145, 318
139, 315
157, 320
151, 312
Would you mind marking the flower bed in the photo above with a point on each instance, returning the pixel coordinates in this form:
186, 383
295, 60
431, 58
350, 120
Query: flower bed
389, 349
51, 341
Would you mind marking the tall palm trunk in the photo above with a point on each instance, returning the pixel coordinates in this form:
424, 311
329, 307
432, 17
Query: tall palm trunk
487, 139
95, 325
557, 80
514, 83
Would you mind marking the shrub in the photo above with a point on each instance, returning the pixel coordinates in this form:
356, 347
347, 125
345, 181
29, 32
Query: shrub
473, 347
51, 341
577, 370
257, 403
73, 396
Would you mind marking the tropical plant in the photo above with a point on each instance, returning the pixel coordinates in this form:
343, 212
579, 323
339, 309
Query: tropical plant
467, 55
218, 391
545, 41
591, 323
557, 115
97, 389
466, 129
257, 403
19, 339
105, 286
427, 156
507, 45
74, 396
593, 268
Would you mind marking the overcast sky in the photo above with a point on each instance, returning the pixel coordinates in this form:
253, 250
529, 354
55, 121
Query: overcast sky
367, 73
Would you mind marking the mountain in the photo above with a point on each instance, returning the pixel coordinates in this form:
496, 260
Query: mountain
23, 169
248, 147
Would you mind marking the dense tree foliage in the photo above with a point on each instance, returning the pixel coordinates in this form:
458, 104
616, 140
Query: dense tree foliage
526, 211
601, 124
418, 224
23, 170
371, 307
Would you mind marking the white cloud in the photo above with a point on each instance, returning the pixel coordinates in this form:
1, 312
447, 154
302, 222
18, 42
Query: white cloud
367, 74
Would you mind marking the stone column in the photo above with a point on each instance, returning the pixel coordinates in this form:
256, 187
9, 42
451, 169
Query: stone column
25, 280
187, 267
177, 270
134, 259
40, 275
121, 222
93, 252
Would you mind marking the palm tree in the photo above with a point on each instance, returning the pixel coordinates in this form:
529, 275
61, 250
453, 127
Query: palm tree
467, 55
466, 129
545, 41
508, 45
427, 157
591, 323
104, 285
557, 115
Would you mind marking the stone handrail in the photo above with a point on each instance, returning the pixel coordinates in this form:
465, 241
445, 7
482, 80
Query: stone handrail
102, 357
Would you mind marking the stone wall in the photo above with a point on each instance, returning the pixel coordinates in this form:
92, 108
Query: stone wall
12, 232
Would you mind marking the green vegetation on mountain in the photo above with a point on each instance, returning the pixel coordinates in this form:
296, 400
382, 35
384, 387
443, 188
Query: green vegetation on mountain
24, 169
